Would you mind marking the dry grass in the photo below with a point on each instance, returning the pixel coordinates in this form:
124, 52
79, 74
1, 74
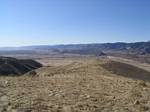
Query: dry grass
74, 85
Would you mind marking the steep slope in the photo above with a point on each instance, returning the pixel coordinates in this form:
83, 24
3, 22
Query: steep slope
127, 70
12, 66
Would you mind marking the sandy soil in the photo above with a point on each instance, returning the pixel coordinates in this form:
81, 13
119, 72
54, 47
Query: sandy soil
73, 85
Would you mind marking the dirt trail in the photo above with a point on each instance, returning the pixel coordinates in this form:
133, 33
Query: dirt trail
144, 66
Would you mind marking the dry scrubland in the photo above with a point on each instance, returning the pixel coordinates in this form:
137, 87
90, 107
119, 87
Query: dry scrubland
74, 84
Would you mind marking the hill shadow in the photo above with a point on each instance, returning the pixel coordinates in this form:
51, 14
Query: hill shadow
126, 70
12, 66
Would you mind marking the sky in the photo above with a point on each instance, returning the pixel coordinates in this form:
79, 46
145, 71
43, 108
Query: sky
49, 22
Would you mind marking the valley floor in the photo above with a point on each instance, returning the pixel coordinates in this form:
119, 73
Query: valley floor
77, 84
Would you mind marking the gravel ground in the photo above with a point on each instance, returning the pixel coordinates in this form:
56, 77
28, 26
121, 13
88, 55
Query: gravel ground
73, 85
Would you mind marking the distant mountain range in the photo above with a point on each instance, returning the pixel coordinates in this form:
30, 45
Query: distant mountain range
137, 48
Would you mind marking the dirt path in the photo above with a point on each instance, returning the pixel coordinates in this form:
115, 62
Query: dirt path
144, 66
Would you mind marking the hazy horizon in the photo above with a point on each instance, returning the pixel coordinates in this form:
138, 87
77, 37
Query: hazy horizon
32, 45
53, 22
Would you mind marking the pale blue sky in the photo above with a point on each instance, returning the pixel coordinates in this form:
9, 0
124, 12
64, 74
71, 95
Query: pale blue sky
39, 22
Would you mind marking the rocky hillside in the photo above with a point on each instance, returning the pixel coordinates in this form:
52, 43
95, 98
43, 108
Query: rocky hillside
77, 84
12, 66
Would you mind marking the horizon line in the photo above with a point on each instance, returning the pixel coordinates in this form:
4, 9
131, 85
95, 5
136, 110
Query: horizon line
32, 45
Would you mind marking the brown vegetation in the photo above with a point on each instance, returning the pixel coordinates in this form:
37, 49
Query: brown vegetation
74, 84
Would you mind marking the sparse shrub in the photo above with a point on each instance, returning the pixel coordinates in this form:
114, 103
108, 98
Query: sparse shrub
136, 102
33, 73
142, 83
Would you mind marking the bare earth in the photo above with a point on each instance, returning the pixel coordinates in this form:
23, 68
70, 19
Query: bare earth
74, 84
